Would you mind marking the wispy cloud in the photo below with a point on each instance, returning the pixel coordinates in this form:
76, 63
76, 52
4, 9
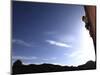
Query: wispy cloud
21, 42
24, 57
47, 59
66, 54
60, 44
63, 37
75, 54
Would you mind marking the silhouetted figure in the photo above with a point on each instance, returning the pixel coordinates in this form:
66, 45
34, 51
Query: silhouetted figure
87, 25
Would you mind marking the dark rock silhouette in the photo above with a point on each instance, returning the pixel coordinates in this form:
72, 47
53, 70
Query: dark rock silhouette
19, 68
88, 65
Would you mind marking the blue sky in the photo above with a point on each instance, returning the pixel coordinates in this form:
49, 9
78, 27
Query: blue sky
50, 33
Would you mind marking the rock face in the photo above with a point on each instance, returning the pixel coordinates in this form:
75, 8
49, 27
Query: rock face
19, 68
90, 12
